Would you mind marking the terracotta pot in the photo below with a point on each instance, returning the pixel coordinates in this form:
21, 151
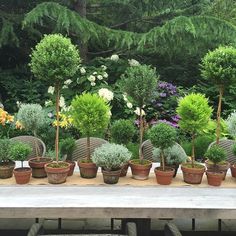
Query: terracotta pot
57, 175
192, 175
124, 170
218, 168
214, 178
111, 177
6, 170
140, 172
37, 166
72, 167
164, 177
233, 170
22, 175
88, 170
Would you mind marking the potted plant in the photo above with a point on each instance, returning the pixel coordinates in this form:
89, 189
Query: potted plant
220, 67
195, 114
55, 59
175, 156
122, 132
6, 163
67, 147
19, 152
32, 117
216, 156
139, 82
111, 157
90, 114
163, 136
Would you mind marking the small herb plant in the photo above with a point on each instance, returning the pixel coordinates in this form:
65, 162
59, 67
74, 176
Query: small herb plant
5, 147
111, 156
162, 136
67, 147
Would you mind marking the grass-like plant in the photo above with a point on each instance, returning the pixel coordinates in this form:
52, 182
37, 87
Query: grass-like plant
162, 136
5, 147
195, 114
67, 147
90, 114
139, 82
55, 59
111, 156
219, 66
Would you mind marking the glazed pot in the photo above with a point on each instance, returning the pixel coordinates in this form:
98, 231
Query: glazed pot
88, 170
37, 166
6, 169
57, 173
192, 175
111, 177
72, 167
140, 171
22, 175
233, 170
218, 168
164, 177
124, 170
214, 178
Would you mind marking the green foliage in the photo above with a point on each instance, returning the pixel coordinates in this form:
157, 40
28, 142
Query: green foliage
134, 149
162, 136
54, 59
139, 82
231, 124
67, 146
194, 113
122, 131
220, 66
211, 127
216, 154
90, 114
5, 147
19, 151
111, 156
234, 149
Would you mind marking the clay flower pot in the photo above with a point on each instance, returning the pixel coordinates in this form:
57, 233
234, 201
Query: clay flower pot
57, 172
193, 175
37, 166
164, 177
111, 177
22, 175
124, 170
88, 170
233, 170
6, 170
72, 167
214, 178
139, 171
218, 167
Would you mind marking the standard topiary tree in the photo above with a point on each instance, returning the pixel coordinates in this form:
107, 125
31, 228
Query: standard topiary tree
195, 114
139, 82
55, 59
219, 66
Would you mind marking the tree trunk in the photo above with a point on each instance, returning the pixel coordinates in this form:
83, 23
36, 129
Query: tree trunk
193, 150
140, 135
80, 7
57, 117
162, 161
221, 90
88, 148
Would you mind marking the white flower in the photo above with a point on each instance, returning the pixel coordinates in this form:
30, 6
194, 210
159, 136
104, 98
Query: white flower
17, 103
64, 87
65, 108
82, 70
51, 90
91, 78
93, 83
137, 112
100, 77
106, 94
62, 102
125, 97
109, 113
103, 67
105, 75
95, 73
133, 62
48, 103
129, 105
67, 82
114, 57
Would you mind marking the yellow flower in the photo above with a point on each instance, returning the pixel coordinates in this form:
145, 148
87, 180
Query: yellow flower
19, 125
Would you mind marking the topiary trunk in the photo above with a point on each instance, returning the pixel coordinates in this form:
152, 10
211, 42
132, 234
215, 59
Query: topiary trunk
88, 148
140, 135
193, 150
162, 160
57, 117
218, 128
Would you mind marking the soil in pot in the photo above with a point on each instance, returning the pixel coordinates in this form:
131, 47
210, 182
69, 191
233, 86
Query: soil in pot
6, 169
57, 172
88, 170
214, 178
164, 177
124, 170
140, 169
22, 175
72, 167
233, 170
111, 177
37, 166
221, 167
192, 175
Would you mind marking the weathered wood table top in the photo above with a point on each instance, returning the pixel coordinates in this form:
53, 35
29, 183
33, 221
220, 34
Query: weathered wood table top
117, 202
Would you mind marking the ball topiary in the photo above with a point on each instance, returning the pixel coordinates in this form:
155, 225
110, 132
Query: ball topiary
216, 154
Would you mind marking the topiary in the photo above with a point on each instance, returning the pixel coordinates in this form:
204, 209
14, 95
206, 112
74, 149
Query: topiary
90, 114
195, 114
220, 67
162, 136
122, 131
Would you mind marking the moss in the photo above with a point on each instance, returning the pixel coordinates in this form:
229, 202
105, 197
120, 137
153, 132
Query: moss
196, 165
58, 165
140, 162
